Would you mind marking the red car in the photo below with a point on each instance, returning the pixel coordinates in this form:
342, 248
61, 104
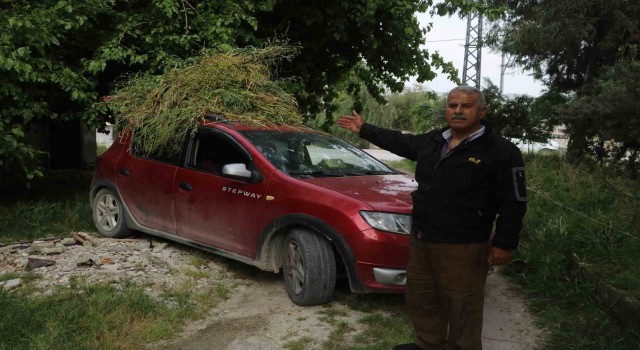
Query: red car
276, 198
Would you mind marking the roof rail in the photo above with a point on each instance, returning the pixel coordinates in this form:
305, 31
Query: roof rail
216, 118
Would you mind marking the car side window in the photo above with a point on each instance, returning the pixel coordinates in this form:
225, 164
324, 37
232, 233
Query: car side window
164, 156
210, 152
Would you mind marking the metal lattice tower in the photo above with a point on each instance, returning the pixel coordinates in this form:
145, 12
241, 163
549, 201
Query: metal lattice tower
472, 51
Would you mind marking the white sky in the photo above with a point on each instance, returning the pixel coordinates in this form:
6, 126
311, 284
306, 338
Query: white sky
516, 81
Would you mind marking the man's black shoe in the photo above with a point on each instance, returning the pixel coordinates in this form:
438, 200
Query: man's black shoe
409, 346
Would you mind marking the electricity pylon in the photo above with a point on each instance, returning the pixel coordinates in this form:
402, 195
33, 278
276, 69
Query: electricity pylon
473, 51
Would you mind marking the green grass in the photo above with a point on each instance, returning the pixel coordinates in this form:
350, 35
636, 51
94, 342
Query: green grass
52, 207
100, 148
403, 165
199, 259
86, 317
298, 344
581, 230
386, 322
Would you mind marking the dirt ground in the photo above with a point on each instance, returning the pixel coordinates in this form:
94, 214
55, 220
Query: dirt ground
260, 316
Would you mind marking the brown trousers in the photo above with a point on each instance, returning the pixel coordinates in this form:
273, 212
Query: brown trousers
445, 293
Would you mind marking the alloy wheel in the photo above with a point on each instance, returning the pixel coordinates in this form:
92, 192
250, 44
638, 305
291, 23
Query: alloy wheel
295, 271
107, 212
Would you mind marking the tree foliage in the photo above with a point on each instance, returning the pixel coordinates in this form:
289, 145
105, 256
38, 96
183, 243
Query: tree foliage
59, 57
336, 36
414, 110
570, 44
567, 42
612, 104
522, 117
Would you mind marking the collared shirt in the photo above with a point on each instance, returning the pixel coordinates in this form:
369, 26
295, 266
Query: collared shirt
447, 135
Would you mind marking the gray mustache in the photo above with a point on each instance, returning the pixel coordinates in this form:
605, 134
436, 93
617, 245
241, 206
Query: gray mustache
458, 117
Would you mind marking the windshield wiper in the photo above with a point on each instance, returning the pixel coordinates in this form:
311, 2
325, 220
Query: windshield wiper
379, 172
372, 172
317, 173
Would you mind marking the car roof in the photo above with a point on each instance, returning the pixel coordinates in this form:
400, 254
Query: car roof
265, 127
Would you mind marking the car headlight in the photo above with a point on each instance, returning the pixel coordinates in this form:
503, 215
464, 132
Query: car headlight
397, 223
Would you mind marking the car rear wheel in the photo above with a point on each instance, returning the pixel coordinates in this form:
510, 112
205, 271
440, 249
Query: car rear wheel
108, 214
309, 268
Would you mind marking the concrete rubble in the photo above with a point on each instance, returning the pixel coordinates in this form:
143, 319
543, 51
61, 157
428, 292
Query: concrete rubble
154, 264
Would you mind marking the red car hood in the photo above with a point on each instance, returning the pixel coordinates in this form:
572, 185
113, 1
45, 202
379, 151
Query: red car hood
389, 193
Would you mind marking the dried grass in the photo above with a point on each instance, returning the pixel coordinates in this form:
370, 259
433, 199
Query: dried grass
238, 84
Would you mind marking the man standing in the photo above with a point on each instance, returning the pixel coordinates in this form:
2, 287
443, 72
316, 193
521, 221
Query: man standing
467, 177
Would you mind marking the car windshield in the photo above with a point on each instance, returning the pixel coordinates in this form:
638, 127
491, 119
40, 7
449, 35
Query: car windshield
303, 154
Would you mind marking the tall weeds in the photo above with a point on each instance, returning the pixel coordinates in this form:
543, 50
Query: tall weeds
580, 231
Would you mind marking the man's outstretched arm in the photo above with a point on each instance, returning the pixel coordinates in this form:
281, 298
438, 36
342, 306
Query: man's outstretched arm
404, 145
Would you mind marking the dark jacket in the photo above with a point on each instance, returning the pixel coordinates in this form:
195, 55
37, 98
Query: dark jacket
459, 197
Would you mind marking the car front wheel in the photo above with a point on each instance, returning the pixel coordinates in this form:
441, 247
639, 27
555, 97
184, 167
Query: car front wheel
309, 268
108, 214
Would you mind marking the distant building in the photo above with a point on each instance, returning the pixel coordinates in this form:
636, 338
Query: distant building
558, 135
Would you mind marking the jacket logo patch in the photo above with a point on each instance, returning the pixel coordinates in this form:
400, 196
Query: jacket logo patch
519, 184
474, 160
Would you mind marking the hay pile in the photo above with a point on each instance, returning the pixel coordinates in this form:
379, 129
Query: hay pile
238, 84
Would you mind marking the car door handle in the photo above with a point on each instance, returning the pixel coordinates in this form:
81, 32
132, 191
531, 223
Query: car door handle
185, 186
124, 171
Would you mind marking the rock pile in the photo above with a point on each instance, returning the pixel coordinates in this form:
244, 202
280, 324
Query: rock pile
154, 264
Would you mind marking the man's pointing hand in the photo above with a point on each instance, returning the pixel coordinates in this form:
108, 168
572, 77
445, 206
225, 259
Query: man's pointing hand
351, 122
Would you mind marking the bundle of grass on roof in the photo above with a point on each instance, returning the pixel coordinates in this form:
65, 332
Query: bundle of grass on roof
238, 84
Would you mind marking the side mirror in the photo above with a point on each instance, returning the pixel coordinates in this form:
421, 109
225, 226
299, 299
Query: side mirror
240, 171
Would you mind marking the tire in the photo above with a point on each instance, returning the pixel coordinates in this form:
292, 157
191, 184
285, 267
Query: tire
309, 268
108, 214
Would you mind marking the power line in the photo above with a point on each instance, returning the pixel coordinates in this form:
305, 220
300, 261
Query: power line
437, 41
547, 197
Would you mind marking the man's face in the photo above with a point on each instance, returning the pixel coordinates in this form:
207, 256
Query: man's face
463, 114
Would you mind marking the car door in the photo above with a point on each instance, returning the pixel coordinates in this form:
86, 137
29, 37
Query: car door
145, 183
214, 209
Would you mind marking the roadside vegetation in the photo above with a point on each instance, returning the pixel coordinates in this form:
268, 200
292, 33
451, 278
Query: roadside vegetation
83, 316
52, 207
581, 247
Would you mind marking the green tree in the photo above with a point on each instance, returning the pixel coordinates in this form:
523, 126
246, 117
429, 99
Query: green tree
569, 44
612, 103
337, 36
522, 117
428, 113
59, 57
414, 110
